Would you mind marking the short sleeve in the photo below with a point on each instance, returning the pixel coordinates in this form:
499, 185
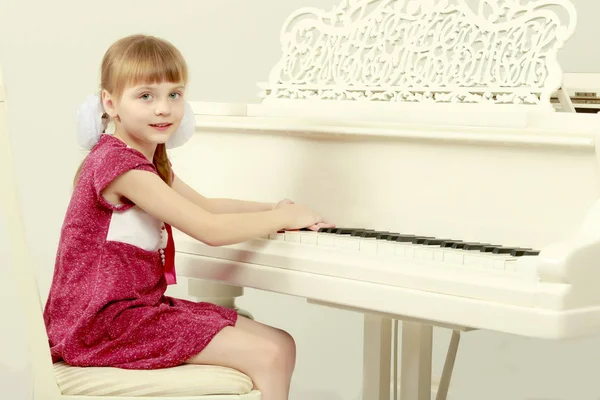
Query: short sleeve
114, 162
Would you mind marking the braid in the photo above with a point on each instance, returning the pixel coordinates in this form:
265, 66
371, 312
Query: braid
162, 164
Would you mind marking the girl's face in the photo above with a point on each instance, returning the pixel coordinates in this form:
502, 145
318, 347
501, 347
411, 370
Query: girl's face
148, 113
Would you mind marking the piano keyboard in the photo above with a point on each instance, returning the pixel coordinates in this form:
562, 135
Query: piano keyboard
480, 271
409, 246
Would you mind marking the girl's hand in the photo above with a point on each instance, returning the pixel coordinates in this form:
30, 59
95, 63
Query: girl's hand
320, 225
282, 203
302, 217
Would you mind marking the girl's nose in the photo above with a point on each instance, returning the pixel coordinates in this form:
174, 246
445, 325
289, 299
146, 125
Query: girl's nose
162, 108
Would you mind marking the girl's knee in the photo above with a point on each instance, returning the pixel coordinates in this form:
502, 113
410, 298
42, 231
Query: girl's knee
280, 352
288, 346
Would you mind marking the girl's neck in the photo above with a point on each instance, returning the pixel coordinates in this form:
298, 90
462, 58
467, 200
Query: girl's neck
147, 149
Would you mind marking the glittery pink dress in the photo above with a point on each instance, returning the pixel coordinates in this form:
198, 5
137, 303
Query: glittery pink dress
107, 303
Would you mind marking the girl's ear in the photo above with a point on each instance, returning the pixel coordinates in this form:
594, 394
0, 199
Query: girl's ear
109, 104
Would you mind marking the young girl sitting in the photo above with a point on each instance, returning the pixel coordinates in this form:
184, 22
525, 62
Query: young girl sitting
115, 258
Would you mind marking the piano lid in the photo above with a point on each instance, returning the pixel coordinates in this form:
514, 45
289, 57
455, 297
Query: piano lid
382, 56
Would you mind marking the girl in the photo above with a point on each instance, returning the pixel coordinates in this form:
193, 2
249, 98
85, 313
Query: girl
115, 257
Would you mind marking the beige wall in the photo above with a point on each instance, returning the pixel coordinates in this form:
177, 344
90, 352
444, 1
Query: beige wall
50, 53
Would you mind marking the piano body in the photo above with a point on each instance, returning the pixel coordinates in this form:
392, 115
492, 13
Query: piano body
471, 200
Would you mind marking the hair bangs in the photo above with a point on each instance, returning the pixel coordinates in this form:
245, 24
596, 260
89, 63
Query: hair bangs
148, 62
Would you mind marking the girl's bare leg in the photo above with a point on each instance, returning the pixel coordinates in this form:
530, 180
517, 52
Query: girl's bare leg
266, 354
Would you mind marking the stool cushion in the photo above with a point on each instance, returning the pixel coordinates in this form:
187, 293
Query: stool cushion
183, 380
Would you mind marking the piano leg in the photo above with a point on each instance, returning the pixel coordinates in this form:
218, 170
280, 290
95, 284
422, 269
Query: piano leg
448, 366
377, 348
380, 355
415, 367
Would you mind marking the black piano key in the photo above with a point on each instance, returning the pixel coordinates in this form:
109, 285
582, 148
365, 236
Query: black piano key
385, 236
434, 242
393, 237
421, 239
405, 238
489, 248
328, 230
341, 231
524, 252
347, 231
359, 232
450, 243
504, 250
474, 246
379, 233
469, 246
371, 234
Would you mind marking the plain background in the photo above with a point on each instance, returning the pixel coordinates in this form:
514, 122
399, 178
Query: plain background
50, 53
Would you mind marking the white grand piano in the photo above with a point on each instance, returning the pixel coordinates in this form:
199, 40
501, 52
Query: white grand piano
443, 142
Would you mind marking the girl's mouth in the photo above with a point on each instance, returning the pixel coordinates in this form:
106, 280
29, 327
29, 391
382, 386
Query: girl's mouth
161, 127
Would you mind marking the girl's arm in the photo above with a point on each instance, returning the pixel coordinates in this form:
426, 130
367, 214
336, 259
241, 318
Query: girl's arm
219, 206
153, 195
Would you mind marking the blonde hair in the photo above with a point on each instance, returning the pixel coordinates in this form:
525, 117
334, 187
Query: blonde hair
142, 59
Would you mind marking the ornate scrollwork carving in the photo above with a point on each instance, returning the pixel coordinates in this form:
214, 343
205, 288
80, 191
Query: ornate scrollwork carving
498, 51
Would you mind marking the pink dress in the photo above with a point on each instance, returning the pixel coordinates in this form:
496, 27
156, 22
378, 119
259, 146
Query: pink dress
107, 303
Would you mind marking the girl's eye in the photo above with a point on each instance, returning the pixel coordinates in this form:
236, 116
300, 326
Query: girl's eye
145, 96
174, 95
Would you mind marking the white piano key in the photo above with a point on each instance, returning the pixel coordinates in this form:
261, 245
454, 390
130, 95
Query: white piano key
368, 246
347, 242
409, 251
525, 265
292, 236
340, 242
500, 260
277, 236
327, 240
387, 248
452, 256
423, 252
309, 237
509, 266
353, 244
477, 259
399, 250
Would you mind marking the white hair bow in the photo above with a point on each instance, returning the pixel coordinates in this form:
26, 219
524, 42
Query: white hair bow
92, 122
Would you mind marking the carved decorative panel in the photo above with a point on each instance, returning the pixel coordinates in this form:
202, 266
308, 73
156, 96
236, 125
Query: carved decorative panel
458, 51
